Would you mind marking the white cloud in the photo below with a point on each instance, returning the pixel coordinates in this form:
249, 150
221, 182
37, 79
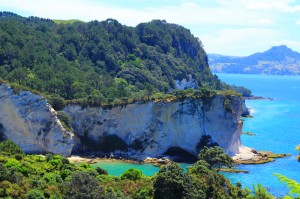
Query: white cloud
187, 12
239, 42
298, 22
245, 22
266, 21
266, 5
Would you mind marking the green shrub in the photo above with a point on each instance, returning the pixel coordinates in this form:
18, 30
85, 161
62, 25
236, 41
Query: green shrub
169, 182
57, 102
35, 194
132, 174
101, 171
82, 185
227, 105
65, 119
215, 157
8, 147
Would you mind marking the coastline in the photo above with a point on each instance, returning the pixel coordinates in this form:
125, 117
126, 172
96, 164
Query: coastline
92, 160
251, 156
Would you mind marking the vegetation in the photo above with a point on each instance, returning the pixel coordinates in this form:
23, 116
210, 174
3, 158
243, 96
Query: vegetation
260, 191
215, 157
291, 184
100, 63
53, 176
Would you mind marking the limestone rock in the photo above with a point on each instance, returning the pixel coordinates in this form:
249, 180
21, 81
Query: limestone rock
29, 121
159, 126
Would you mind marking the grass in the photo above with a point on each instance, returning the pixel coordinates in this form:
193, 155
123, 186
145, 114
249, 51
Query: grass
69, 21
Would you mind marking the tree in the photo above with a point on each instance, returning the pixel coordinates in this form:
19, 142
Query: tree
132, 174
191, 189
169, 182
82, 186
35, 194
10, 148
215, 157
149, 90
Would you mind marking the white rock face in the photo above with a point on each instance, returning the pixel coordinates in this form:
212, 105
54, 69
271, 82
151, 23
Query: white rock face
185, 83
161, 125
29, 121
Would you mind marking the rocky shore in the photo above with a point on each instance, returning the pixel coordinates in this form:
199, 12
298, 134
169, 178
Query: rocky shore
251, 156
258, 98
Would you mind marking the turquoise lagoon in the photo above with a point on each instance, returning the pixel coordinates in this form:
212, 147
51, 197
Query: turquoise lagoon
276, 123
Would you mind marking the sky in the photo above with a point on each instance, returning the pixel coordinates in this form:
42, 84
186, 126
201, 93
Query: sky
228, 27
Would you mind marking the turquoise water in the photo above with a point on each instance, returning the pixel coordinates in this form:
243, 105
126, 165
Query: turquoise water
277, 125
116, 168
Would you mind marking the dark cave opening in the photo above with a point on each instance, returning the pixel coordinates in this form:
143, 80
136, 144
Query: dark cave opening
178, 154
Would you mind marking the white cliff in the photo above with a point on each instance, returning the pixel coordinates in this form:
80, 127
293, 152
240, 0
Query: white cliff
29, 121
162, 125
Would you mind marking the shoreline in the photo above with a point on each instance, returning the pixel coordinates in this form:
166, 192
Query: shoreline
258, 98
246, 155
251, 156
93, 160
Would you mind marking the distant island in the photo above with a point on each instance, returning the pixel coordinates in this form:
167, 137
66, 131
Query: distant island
278, 60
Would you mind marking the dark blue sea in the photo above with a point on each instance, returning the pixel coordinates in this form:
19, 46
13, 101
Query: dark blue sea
276, 125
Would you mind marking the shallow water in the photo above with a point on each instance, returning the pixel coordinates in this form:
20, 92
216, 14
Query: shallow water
116, 168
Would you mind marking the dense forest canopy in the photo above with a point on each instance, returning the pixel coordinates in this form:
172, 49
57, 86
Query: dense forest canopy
100, 60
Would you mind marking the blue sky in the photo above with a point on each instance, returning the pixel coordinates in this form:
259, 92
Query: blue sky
229, 27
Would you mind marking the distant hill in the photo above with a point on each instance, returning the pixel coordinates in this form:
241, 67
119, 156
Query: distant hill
279, 60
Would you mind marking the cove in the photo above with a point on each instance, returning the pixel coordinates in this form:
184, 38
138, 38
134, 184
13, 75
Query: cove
117, 168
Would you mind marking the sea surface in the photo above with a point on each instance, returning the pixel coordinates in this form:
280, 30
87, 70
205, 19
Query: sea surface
276, 124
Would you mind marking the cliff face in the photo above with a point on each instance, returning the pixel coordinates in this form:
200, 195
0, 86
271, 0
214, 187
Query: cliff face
143, 129
159, 126
28, 120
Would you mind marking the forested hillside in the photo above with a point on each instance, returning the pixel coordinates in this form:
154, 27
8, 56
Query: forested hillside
103, 61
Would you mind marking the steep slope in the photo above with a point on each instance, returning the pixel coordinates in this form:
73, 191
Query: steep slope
104, 61
29, 121
117, 87
279, 60
138, 130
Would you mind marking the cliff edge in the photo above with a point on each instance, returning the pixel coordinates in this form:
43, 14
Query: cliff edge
153, 129
31, 122
138, 130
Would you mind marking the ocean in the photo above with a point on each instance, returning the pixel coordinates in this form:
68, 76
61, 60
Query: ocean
276, 124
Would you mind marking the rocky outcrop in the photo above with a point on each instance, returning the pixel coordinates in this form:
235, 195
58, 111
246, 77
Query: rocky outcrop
159, 126
245, 110
28, 120
138, 130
